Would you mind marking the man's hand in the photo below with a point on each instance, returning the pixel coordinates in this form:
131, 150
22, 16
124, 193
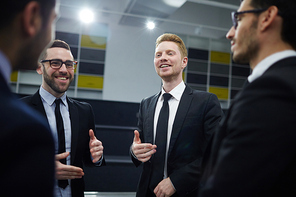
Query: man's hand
165, 188
95, 147
143, 151
66, 171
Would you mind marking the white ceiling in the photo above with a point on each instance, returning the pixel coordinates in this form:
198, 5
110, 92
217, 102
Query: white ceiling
206, 18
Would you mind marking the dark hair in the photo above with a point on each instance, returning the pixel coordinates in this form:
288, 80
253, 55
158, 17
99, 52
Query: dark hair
55, 44
60, 44
173, 38
10, 8
287, 10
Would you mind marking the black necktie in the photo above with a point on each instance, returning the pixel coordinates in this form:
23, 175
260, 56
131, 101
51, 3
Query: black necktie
158, 159
61, 138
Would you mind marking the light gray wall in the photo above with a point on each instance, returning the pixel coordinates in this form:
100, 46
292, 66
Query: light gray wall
129, 68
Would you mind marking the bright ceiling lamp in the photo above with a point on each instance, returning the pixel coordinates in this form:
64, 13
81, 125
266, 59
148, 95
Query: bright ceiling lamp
150, 25
174, 3
86, 16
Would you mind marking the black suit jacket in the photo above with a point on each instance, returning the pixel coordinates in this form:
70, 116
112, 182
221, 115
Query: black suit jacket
196, 118
254, 150
82, 119
27, 149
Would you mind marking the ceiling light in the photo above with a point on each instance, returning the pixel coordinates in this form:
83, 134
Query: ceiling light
150, 25
86, 16
174, 3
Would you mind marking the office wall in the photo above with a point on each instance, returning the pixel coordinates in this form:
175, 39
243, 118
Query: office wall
116, 63
129, 73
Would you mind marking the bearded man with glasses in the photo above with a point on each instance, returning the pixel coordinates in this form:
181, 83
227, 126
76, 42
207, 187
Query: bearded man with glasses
71, 122
253, 152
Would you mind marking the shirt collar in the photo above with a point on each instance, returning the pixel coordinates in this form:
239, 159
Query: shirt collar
176, 92
267, 62
5, 67
49, 98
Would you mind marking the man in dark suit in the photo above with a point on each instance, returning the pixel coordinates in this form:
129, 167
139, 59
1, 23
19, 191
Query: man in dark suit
80, 144
254, 150
26, 143
192, 118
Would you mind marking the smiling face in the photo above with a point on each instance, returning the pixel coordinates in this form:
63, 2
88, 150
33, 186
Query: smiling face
168, 61
56, 81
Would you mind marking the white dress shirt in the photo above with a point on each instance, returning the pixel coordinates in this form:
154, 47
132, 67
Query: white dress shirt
173, 106
268, 61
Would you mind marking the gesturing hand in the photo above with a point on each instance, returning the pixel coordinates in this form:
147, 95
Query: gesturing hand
95, 147
64, 171
143, 151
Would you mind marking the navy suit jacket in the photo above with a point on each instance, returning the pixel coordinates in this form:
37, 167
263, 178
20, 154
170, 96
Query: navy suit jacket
27, 149
254, 150
82, 119
197, 116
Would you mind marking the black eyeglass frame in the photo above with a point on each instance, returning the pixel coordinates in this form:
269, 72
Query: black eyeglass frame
59, 60
235, 14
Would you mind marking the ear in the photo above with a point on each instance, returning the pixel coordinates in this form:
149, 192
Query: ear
268, 17
31, 18
184, 62
39, 69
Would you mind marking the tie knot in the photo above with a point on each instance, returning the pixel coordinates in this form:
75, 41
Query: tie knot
166, 96
58, 101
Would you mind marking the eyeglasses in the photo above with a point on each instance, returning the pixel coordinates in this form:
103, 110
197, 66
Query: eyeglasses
57, 63
235, 14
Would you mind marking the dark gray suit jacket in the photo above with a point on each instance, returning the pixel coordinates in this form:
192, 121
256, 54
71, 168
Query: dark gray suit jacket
254, 150
82, 119
27, 149
197, 116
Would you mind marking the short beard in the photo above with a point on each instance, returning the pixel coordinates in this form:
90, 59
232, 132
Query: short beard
50, 82
252, 47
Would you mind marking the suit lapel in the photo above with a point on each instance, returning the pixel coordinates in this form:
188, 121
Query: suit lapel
74, 118
183, 108
37, 103
150, 119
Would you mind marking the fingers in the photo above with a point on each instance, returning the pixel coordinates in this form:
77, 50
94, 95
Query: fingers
143, 151
164, 188
145, 156
68, 172
96, 149
92, 135
62, 156
137, 137
96, 153
95, 144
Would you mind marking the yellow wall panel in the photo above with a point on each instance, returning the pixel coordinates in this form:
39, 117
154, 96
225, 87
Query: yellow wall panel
13, 76
222, 93
93, 42
85, 81
220, 57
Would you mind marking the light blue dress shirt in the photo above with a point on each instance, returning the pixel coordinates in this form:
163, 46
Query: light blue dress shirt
5, 67
49, 106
